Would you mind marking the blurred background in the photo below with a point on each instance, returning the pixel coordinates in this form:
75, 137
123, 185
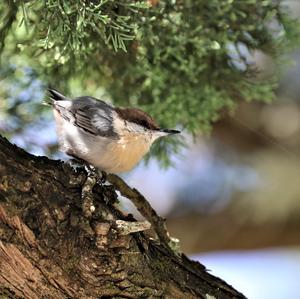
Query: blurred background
232, 198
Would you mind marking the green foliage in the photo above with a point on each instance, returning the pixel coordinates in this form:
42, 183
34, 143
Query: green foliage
182, 61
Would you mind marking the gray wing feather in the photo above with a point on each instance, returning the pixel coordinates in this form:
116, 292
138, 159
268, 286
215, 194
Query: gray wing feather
91, 115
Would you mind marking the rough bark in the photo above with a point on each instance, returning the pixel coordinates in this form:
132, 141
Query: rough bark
48, 249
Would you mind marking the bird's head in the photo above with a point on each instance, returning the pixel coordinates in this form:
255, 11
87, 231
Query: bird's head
139, 122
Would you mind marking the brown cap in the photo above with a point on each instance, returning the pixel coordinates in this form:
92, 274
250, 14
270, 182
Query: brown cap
137, 116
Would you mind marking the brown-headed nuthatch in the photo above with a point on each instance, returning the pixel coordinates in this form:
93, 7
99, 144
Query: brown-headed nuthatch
110, 138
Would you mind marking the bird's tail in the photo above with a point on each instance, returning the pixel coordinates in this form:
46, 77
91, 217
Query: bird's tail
54, 96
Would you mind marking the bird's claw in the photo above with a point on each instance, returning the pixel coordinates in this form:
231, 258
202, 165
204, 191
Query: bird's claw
76, 165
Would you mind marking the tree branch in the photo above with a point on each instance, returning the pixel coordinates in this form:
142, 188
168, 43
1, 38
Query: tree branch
49, 249
142, 206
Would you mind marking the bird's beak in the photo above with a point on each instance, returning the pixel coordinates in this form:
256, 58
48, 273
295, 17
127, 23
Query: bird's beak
169, 132
163, 133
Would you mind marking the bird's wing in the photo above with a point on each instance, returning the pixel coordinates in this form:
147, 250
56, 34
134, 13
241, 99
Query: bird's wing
95, 117
89, 114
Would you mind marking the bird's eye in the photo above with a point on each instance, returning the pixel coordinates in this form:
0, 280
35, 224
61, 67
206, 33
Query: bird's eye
144, 124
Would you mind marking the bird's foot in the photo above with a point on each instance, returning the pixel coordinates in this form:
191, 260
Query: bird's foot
76, 164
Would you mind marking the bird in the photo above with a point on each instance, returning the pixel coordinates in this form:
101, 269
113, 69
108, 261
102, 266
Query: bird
112, 139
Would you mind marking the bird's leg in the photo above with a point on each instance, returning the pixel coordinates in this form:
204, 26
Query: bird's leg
77, 164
